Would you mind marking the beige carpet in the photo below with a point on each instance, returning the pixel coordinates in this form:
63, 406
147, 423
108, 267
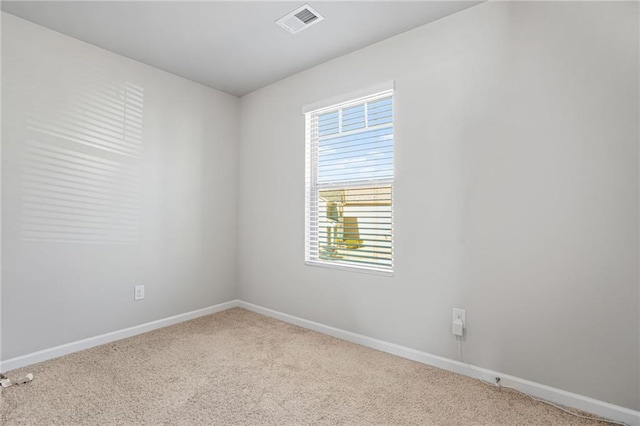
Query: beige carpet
238, 367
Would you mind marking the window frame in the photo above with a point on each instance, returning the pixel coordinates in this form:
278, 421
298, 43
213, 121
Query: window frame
313, 187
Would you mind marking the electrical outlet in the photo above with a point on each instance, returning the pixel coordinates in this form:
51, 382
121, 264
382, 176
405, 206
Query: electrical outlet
460, 314
138, 293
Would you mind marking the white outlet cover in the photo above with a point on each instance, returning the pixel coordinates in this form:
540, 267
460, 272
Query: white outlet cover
138, 292
459, 313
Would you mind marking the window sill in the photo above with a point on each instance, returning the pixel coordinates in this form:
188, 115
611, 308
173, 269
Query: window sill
349, 268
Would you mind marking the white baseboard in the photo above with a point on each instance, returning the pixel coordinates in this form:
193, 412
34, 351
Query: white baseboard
57, 351
558, 396
548, 393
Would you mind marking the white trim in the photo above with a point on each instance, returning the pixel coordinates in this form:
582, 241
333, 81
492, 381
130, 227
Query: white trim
346, 97
349, 268
548, 393
558, 396
67, 348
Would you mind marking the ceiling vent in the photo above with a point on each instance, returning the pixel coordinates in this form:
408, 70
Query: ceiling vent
300, 19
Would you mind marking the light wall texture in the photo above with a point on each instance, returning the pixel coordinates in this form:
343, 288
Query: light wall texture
516, 196
113, 174
516, 193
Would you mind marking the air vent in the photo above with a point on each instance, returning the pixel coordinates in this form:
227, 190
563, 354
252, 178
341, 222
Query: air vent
299, 19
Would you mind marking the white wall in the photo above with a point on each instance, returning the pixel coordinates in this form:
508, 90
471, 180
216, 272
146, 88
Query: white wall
516, 194
169, 210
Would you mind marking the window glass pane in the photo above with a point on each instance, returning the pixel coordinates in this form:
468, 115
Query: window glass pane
353, 118
380, 112
354, 225
360, 156
328, 123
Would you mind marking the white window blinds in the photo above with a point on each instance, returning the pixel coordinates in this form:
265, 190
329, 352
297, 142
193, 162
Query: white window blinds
349, 184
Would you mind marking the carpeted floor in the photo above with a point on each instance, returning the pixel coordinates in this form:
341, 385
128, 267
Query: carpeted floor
240, 368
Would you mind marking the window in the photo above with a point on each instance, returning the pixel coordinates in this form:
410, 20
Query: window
349, 184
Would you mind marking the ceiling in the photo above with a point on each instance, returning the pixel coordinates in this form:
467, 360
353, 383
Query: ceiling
232, 46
